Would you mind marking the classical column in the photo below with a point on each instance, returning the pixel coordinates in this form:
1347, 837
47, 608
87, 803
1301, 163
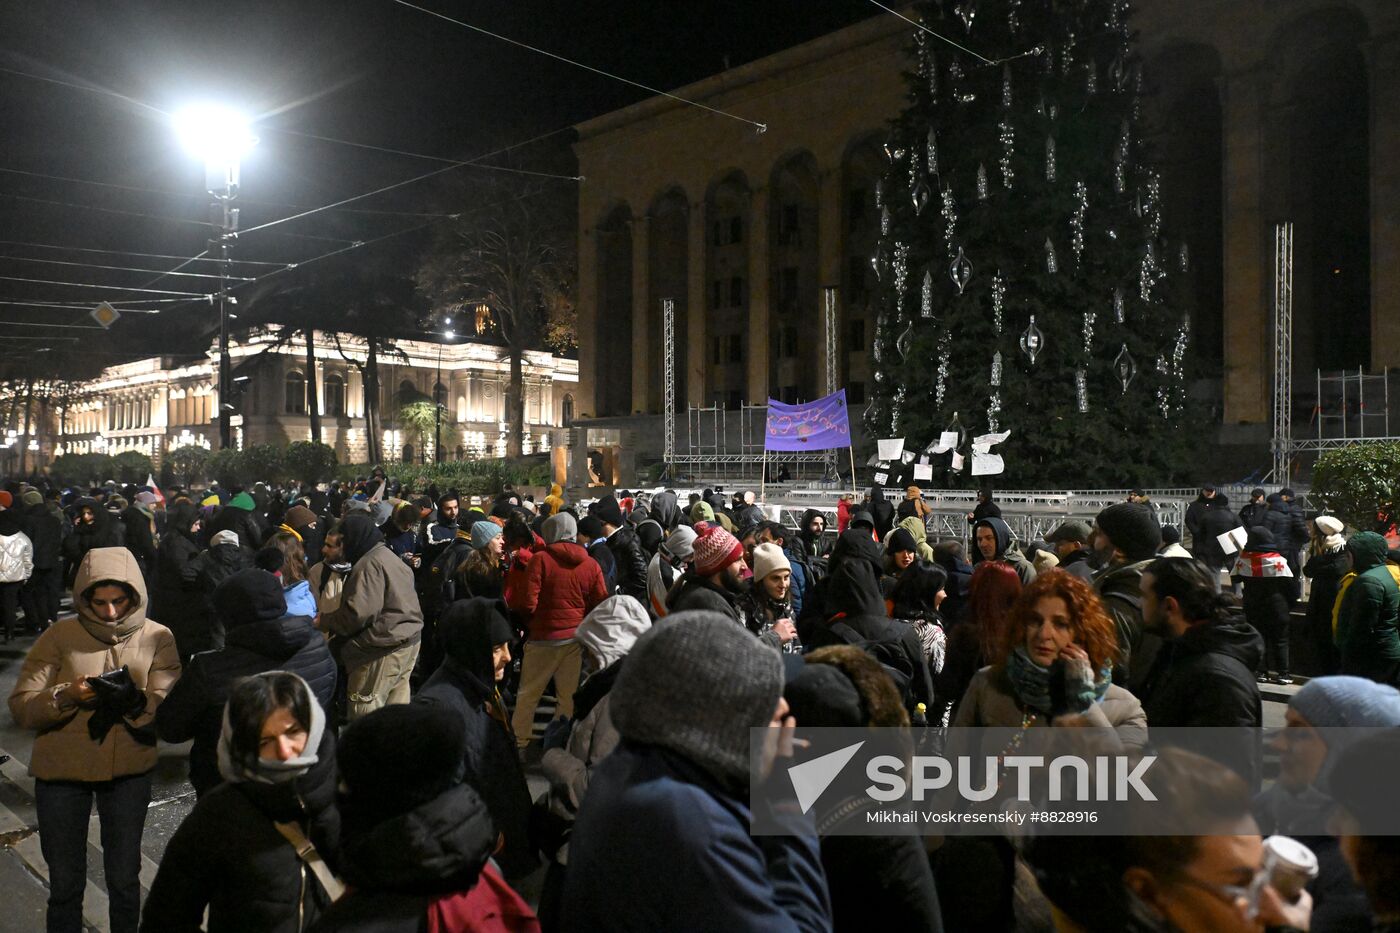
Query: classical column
830, 238
759, 279
642, 363
1383, 58
587, 322
698, 309
1248, 369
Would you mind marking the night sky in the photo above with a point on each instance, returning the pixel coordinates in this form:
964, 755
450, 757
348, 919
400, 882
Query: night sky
368, 71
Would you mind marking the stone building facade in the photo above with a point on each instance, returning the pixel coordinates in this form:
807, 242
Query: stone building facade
1262, 110
155, 405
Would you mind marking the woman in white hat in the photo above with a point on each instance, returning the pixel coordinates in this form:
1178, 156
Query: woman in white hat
767, 607
1328, 561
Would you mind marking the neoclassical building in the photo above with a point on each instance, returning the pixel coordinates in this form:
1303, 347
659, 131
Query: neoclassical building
1262, 110
155, 405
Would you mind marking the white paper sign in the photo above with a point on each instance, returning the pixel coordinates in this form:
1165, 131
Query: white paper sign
1233, 540
987, 440
923, 471
908, 456
986, 463
891, 448
946, 442
880, 478
957, 462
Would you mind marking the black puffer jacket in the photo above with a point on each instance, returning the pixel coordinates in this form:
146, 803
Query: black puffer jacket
46, 534
1206, 678
176, 601
853, 596
631, 562
1285, 522
194, 708
211, 568
399, 867
140, 538
465, 683
1205, 545
227, 854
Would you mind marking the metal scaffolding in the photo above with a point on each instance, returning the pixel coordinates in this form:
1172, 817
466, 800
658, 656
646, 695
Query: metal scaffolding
668, 341
1283, 352
829, 460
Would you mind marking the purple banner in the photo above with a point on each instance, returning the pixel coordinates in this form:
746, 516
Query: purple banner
817, 425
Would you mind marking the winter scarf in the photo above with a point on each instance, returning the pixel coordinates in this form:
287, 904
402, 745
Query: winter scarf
252, 769
1032, 684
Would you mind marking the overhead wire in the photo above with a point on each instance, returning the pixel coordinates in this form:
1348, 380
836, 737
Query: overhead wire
400, 184
108, 210
429, 158
761, 127
88, 265
118, 288
125, 252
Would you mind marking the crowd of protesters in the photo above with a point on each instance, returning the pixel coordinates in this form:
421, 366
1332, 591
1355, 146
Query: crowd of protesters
362, 669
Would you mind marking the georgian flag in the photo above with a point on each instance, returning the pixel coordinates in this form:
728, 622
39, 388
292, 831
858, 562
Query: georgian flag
1254, 564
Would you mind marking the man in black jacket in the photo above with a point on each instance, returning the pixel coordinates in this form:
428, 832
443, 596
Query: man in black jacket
1253, 513
41, 594
1203, 676
259, 636
1285, 522
629, 558
1127, 537
858, 617
717, 576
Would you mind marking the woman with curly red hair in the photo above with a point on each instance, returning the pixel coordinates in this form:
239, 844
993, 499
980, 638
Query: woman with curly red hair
1053, 658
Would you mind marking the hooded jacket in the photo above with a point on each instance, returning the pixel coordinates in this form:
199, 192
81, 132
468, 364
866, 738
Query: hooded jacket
379, 611
631, 562
229, 855
914, 524
195, 707
554, 501
814, 546
1289, 529
105, 531
562, 585
85, 646
665, 511
1206, 678
1367, 619
466, 684
608, 633
211, 568
1005, 552
853, 596
882, 511
140, 533
177, 597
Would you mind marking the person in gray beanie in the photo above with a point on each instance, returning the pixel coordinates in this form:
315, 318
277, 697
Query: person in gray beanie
1325, 718
1126, 538
692, 689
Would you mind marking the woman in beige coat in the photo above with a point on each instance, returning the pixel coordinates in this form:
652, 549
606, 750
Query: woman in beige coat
96, 737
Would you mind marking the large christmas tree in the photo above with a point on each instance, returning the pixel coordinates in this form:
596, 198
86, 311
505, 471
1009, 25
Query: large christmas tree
1026, 281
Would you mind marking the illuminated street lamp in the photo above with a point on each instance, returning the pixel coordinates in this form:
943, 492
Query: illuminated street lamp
222, 138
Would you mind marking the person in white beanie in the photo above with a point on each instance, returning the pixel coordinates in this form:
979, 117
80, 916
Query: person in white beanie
766, 609
1328, 561
667, 566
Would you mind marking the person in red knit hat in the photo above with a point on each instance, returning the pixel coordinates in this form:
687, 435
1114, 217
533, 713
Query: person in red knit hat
717, 576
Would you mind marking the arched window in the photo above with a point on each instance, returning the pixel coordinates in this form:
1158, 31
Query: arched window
295, 394
335, 395
407, 388
568, 412
407, 453
461, 452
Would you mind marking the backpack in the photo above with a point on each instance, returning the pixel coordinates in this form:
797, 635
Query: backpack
890, 654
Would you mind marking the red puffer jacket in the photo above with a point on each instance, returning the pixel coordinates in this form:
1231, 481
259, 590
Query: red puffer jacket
518, 573
562, 585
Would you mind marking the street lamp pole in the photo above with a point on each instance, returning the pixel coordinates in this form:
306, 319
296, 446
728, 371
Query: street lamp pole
220, 137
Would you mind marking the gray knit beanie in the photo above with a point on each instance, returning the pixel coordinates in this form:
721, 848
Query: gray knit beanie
696, 686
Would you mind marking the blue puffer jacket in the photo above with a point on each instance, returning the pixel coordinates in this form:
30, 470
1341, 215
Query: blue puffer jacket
194, 709
659, 845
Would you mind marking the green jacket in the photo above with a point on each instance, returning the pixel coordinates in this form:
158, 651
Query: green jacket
1368, 623
915, 526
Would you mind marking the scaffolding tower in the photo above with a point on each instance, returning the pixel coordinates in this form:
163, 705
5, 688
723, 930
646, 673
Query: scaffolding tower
1283, 352
668, 341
